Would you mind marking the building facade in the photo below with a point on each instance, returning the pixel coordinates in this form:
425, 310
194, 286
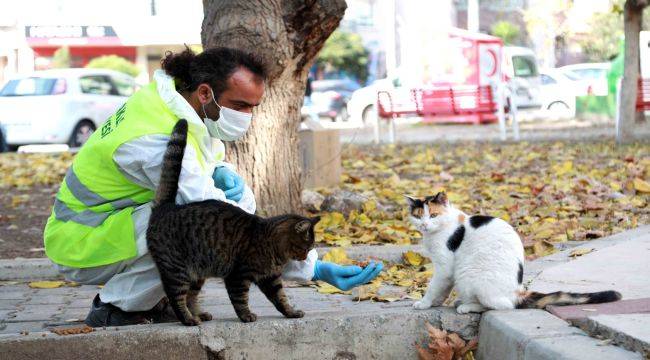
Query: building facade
138, 30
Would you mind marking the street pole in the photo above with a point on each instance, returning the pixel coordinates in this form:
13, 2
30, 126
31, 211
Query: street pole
472, 15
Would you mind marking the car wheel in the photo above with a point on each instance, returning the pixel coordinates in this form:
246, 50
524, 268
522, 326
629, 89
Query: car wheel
81, 133
368, 115
3, 143
558, 109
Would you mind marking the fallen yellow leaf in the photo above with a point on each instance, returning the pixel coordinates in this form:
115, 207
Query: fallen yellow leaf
579, 252
641, 185
325, 288
338, 256
413, 258
46, 284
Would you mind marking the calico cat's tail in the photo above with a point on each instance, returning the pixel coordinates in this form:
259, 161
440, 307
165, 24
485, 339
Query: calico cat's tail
536, 300
171, 166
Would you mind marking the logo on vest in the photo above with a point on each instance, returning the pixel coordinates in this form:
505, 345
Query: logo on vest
108, 126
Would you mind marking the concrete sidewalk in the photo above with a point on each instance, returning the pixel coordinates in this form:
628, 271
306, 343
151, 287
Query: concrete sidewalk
335, 327
619, 262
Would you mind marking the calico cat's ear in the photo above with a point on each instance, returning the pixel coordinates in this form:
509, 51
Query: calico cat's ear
441, 198
413, 202
303, 225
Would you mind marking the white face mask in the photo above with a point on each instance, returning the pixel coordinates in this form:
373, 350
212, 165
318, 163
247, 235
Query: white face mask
230, 126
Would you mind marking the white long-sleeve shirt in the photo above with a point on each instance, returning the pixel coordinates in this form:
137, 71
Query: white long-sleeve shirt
140, 160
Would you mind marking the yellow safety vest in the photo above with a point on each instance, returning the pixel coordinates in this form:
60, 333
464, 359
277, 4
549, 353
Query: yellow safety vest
91, 223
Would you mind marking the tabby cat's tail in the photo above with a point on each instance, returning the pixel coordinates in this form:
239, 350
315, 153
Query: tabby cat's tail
172, 163
536, 300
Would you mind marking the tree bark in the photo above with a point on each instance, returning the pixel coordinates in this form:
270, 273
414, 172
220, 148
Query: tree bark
632, 20
286, 35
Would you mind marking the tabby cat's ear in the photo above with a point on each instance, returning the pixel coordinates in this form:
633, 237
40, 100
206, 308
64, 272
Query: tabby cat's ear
303, 226
413, 202
315, 220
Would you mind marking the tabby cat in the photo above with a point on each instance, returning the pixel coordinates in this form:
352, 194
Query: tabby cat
192, 242
481, 256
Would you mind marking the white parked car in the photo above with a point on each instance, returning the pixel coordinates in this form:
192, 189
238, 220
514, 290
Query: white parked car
520, 69
3, 141
361, 106
588, 78
61, 106
557, 95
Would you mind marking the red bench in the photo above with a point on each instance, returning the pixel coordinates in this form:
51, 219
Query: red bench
390, 106
643, 95
455, 103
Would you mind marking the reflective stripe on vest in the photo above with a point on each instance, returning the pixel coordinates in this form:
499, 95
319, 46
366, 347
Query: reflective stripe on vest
86, 217
89, 198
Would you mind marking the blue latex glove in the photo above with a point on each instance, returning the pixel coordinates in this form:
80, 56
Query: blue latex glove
228, 181
346, 277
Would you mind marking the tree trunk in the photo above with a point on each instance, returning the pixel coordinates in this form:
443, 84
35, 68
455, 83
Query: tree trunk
286, 35
632, 19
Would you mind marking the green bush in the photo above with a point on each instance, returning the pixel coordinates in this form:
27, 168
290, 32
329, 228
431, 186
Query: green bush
61, 58
507, 31
345, 52
114, 62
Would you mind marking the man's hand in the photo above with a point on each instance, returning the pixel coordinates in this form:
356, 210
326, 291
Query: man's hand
345, 277
228, 181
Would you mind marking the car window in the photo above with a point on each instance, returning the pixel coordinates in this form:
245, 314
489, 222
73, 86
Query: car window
547, 80
329, 85
124, 86
572, 76
33, 86
590, 73
524, 66
97, 84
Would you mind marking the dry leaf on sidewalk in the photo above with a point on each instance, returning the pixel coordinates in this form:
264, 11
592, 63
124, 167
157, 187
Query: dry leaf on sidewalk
413, 258
46, 284
579, 252
52, 284
445, 346
76, 330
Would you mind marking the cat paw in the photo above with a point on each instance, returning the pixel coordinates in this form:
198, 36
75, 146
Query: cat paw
205, 316
295, 314
468, 308
421, 305
248, 317
193, 321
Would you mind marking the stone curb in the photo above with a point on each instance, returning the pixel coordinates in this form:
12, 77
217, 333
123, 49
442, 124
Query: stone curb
538, 335
43, 269
387, 334
608, 327
28, 269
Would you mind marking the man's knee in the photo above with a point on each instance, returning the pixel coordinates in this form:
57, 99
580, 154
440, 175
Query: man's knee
89, 276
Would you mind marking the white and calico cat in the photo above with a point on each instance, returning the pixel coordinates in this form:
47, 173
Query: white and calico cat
482, 257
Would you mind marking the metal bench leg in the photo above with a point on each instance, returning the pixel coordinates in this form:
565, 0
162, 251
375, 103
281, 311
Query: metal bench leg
515, 126
501, 115
391, 130
376, 128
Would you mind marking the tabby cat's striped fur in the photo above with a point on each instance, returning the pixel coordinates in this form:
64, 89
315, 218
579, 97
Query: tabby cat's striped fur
192, 242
